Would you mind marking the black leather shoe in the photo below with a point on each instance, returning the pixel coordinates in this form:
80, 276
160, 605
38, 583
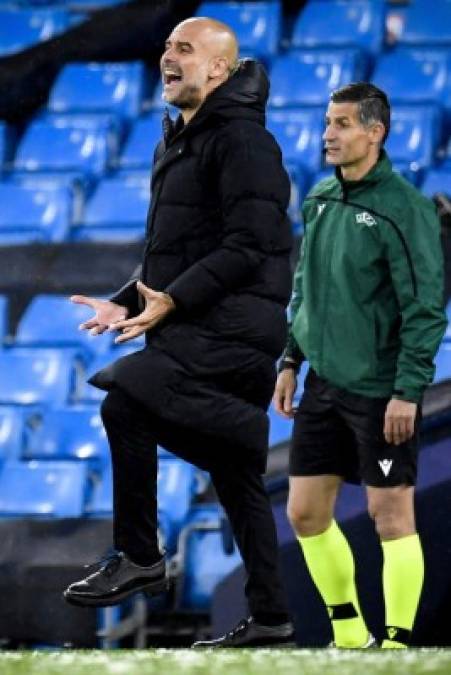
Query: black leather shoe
115, 578
250, 634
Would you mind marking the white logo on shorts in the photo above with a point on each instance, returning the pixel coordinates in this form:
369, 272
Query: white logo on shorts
321, 208
385, 465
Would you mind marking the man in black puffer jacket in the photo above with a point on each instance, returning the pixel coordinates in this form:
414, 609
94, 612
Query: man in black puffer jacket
210, 297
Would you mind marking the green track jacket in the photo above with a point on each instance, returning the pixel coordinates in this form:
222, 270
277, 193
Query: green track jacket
367, 310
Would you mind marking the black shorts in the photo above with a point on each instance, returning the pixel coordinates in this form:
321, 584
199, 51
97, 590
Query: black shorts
340, 433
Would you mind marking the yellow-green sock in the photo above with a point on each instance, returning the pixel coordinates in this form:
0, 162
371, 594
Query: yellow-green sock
402, 579
331, 566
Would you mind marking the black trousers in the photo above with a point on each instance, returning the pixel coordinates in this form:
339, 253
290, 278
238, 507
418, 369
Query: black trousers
133, 434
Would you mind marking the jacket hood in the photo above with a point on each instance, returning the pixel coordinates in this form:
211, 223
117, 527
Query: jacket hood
242, 96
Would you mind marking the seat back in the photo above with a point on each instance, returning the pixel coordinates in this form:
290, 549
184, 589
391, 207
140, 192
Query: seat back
106, 87
140, 146
82, 143
32, 376
65, 433
413, 75
26, 26
307, 77
33, 214
257, 24
414, 135
350, 23
45, 489
424, 23
53, 321
298, 133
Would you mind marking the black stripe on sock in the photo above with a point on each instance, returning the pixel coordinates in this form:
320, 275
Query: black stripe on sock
344, 611
397, 634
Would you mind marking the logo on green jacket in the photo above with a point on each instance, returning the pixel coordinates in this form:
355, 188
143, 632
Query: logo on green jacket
365, 218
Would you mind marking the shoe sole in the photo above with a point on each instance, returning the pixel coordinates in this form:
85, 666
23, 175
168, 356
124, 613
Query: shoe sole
151, 589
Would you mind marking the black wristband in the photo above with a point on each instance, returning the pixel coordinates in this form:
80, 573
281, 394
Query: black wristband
285, 364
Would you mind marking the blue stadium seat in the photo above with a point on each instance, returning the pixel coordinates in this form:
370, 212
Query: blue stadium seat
354, 23
53, 320
33, 215
140, 146
7, 143
257, 24
31, 376
443, 362
4, 318
299, 133
84, 143
23, 27
12, 433
107, 87
426, 24
307, 77
177, 485
414, 136
78, 184
66, 433
45, 489
299, 180
413, 75
437, 180
205, 556
117, 210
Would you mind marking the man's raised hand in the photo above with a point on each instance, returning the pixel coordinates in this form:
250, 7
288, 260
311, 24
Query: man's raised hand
106, 313
158, 306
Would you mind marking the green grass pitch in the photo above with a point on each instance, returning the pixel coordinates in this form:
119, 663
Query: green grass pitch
227, 662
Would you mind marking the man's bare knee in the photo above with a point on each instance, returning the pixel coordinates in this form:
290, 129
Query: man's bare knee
307, 522
392, 512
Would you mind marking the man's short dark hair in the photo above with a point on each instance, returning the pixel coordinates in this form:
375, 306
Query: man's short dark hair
372, 102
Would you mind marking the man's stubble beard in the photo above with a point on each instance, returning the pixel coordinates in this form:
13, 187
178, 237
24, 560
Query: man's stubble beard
188, 99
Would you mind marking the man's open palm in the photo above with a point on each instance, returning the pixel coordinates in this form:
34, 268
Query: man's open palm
106, 313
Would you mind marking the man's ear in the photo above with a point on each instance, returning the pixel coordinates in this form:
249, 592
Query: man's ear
219, 66
377, 132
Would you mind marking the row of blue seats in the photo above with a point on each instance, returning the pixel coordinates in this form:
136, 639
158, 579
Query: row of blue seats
89, 143
259, 24
49, 207
52, 321
49, 360
299, 77
48, 378
57, 377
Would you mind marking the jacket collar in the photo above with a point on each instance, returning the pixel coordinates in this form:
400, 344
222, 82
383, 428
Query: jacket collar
380, 171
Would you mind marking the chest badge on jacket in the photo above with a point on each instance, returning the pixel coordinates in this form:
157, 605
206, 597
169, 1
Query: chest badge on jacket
365, 218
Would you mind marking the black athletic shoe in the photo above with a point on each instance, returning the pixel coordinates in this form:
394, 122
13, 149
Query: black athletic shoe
250, 634
115, 578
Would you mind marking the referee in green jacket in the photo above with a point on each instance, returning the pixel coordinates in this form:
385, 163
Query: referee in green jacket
367, 314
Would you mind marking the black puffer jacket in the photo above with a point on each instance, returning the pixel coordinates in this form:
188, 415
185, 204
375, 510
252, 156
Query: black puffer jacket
218, 241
